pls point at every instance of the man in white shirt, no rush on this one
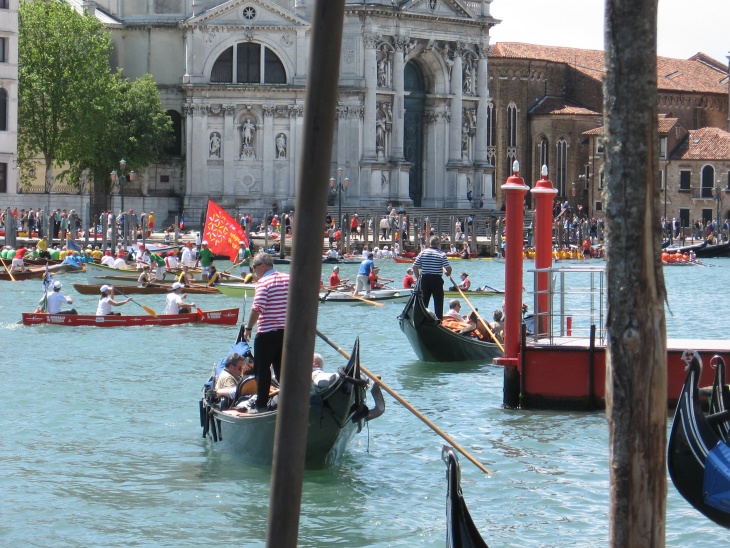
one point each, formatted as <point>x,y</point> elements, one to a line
<point>55,301</point>
<point>108,259</point>
<point>119,262</point>
<point>174,302</point>
<point>188,257</point>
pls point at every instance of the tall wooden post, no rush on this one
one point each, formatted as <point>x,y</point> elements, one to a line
<point>636,357</point>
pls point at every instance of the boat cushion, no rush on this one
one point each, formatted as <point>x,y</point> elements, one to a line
<point>717,477</point>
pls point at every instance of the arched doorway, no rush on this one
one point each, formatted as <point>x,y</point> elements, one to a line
<point>413,139</point>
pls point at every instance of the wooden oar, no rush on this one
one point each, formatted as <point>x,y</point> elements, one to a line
<point>479,318</point>
<point>356,297</point>
<point>407,405</point>
<point>7,270</point>
<point>145,308</point>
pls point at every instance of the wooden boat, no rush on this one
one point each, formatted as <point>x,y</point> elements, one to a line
<point>237,290</point>
<point>98,274</point>
<point>32,273</point>
<point>403,260</point>
<point>336,413</point>
<point>227,316</point>
<point>698,460</point>
<point>713,251</point>
<point>433,343</point>
<point>460,529</point>
<point>490,292</point>
<point>394,295</point>
<point>94,289</point>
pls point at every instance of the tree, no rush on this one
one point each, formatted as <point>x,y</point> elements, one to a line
<point>63,85</point>
<point>72,109</point>
<point>636,383</point>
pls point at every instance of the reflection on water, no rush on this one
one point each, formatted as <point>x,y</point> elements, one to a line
<point>102,444</point>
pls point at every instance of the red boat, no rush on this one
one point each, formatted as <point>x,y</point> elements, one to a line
<point>228,316</point>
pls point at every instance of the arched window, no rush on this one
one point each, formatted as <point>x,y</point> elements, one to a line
<point>248,63</point>
<point>512,125</point>
<point>3,110</point>
<point>708,181</point>
<point>542,150</point>
<point>562,163</point>
<point>176,146</point>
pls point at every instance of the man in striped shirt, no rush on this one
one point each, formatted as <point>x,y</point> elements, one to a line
<point>269,314</point>
<point>430,264</point>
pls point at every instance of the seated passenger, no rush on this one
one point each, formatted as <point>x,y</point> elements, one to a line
<point>464,285</point>
<point>106,301</point>
<point>320,379</point>
<point>174,301</point>
<point>145,279</point>
<point>55,301</point>
<point>215,277</point>
<point>237,367</point>
<point>497,326</point>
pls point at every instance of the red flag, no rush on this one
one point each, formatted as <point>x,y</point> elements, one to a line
<point>222,232</point>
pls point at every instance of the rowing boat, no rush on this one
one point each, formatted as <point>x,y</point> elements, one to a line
<point>227,316</point>
<point>460,529</point>
<point>237,290</point>
<point>98,274</point>
<point>697,458</point>
<point>32,273</point>
<point>393,295</point>
<point>95,289</point>
<point>489,292</point>
<point>433,343</point>
<point>337,412</point>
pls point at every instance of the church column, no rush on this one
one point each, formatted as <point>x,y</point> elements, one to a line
<point>457,81</point>
<point>200,150</point>
<point>229,149</point>
<point>267,152</point>
<point>371,84</point>
<point>480,145</point>
<point>396,145</point>
<point>188,112</point>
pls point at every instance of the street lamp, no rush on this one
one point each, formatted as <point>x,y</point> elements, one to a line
<point>717,194</point>
<point>120,177</point>
<point>339,187</point>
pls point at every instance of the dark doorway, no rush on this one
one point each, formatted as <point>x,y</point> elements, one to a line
<point>413,122</point>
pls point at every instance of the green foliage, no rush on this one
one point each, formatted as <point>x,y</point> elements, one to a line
<point>72,110</point>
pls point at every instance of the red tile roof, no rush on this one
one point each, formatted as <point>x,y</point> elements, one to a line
<point>698,74</point>
<point>665,125</point>
<point>561,106</point>
<point>708,143</point>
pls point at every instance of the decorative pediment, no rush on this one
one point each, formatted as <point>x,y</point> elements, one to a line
<point>455,9</point>
<point>247,13</point>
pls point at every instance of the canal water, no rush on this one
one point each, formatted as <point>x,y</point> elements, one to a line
<point>101,443</point>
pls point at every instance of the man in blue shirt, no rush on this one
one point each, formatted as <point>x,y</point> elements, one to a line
<point>363,275</point>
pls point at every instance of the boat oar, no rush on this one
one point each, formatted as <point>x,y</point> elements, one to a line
<point>357,298</point>
<point>7,270</point>
<point>145,308</point>
<point>407,405</point>
<point>479,318</point>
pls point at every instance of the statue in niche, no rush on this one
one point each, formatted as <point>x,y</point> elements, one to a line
<point>214,148</point>
<point>469,77</point>
<point>382,73</point>
<point>380,128</point>
<point>465,141</point>
<point>248,130</point>
<point>281,146</point>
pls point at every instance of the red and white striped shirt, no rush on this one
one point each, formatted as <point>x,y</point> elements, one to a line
<point>270,301</point>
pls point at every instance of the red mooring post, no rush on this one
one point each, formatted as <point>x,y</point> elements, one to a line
<point>544,193</point>
<point>514,190</point>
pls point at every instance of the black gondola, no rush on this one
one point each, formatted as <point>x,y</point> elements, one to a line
<point>713,251</point>
<point>337,412</point>
<point>698,460</point>
<point>460,529</point>
<point>433,343</point>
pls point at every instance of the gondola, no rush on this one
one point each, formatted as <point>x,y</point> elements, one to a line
<point>698,460</point>
<point>336,413</point>
<point>94,289</point>
<point>217,317</point>
<point>434,343</point>
<point>712,251</point>
<point>460,529</point>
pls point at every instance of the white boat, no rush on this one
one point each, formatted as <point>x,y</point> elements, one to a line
<point>394,295</point>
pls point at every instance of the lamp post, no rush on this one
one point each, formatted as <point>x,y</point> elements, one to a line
<point>121,178</point>
<point>339,187</point>
<point>717,194</point>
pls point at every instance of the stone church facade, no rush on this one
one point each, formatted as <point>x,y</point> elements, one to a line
<point>411,117</point>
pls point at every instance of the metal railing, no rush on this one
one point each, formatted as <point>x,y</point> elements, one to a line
<point>576,301</point>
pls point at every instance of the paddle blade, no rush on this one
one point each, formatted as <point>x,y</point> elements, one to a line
<point>148,310</point>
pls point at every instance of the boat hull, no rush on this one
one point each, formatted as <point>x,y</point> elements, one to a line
<point>237,290</point>
<point>86,289</point>
<point>460,529</point>
<point>392,295</point>
<point>32,273</point>
<point>433,343</point>
<point>216,317</point>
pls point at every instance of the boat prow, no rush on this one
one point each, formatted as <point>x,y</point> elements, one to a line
<point>460,529</point>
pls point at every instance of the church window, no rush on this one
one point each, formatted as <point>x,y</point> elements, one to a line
<point>3,178</point>
<point>249,13</point>
<point>3,110</point>
<point>562,162</point>
<point>175,149</point>
<point>512,125</point>
<point>491,125</point>
<point>4,4</point>
<point>543,154</point>
<point>3,50</point>
<point>248,63</point>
